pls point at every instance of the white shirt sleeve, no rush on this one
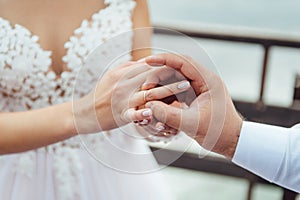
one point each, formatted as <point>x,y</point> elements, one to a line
<point>271,152</point>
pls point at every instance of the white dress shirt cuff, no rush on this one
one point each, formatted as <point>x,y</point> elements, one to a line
<point>261,149</point>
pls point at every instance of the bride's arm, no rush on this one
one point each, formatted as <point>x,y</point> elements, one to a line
<point>21,131</point>
<point>106,106</point>
<point>142,30</point>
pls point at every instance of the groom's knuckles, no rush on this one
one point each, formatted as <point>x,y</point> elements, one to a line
<point>183,63</point>
<point>177,61</point>
<point>170,60</point>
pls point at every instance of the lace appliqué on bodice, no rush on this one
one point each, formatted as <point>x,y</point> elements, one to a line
<point>27,83</point>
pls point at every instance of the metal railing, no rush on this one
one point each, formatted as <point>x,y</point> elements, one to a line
<point>258,111</point>
<point>244,35</point>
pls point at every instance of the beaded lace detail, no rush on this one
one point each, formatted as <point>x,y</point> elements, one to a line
<point>27,83</point>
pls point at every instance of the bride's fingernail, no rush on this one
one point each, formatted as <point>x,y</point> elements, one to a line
<point>160,128</point>
<point>144,122</point>
<point>147,113</point>
<point>184,85</point>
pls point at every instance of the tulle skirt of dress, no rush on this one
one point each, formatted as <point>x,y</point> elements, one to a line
<point>83,178</point>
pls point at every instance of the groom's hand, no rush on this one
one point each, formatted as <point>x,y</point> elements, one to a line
<point>210,117</point>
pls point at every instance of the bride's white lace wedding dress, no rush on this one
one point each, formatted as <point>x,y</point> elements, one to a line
<point>65,170</point>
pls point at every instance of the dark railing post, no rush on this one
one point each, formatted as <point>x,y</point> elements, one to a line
<point>264,74</point>
<point>289,195</point>
<point>297,88</point>
<point>250,190</point>
<point>296,97</point>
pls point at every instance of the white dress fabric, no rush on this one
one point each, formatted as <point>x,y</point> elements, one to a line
<point>65,170</point>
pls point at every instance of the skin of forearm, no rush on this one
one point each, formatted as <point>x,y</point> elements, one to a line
<point>23,131</point>
<point>228,141</point>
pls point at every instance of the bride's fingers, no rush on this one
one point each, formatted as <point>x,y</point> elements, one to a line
<point>135,70</point>
<point>164,130</point>
<point>153,133</point>
<point>126,64</point>
<point>164,74</point>
<point>160,126</point>
<point>142,97</point>
<point>142,116</point>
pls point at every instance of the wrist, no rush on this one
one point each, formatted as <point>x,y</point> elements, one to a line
<point>231,131</point>
<point>68,121</point>
<point>228,141</point>
<point>234,136</point>
<point>91,117</point>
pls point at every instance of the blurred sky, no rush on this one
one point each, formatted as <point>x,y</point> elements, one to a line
<point>281,15</point>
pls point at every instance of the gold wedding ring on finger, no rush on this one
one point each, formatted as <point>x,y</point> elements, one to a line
<point>145,96</point>
<point>162,134</point>
<point>166,134</point>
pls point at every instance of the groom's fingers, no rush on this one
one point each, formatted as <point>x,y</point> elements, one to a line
<point>200,76</point>
<point>184,64</point>
<point>167,114</point>
<point>181,63</point>
<point>187,120</point>
<point>158,75</point>
<point>142,97</point>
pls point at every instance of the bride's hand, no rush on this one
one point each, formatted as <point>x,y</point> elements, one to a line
<point>154,130</point>
<point>116,96</point>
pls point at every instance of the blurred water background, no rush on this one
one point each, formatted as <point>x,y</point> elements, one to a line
<point>239,64</point>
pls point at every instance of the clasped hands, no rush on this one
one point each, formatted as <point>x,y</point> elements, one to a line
<point>166,92</point>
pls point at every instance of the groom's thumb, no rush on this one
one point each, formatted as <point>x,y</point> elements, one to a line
<point>167,114</point>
